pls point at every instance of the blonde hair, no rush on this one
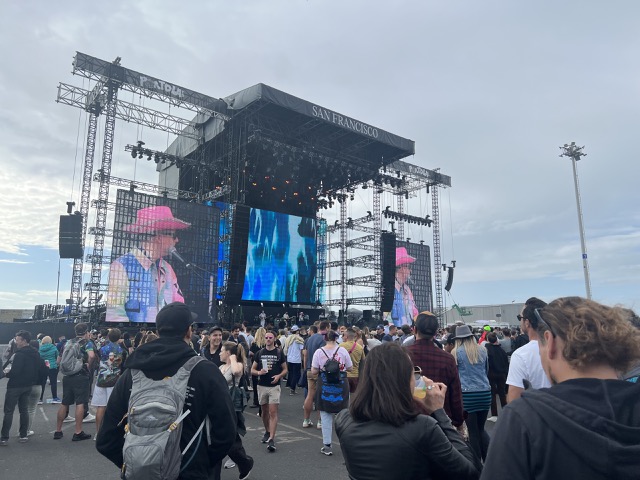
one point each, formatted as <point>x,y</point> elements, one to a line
<point>471,348</point>
<point>46,340</point>
<point>259,337</point>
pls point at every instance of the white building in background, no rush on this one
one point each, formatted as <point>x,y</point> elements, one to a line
<point>480,315</point>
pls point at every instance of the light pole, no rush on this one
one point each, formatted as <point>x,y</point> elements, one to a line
<point>575,153</point>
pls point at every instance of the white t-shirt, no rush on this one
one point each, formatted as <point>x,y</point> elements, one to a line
<point>526,364</point>
<point>293,352</point>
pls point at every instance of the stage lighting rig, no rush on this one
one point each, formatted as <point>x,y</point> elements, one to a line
<point>403,217</point>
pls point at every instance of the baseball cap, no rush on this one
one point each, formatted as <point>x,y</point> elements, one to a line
<point>380,327</point>
<point>215,328</point>
<point>174,320</point>
<point>295,328</point>
<point>427,323</point>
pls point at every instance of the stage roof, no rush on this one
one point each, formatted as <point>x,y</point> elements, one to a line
<point>302,122</point>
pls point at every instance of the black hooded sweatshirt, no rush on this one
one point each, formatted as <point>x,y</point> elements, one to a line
<point>26,368</point>
<point>583,428</point>
<point>207,394</point>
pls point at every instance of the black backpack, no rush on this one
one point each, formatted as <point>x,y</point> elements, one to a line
<point>332,368</point>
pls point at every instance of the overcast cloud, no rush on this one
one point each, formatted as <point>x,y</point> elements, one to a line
<point>487,90</point>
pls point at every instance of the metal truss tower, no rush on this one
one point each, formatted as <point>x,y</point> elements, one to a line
<point>377,253</point>
<point>76,276</point>
<point>400,223</point>
<point>103,192</point>
<point>437,257</point>
<point>343,257</point>
<point>322,257</point>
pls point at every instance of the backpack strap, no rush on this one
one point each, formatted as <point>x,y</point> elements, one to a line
<point>353,347</point>
<point>325,353</point>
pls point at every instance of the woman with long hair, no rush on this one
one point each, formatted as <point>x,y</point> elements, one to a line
<point>473,369</point>
<point>233,358</point>
<point>49,352</point>
<point>258,344</point>
<point>388,433</point>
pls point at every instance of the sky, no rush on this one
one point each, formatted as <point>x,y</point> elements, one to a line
<point>487,90</point>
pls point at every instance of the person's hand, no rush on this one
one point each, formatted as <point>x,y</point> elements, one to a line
<point>434,399</point>
<point>276,380</point>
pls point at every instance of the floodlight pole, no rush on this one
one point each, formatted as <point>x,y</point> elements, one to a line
<point>575,153</point>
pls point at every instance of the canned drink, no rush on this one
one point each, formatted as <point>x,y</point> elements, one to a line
<point>47,363</point>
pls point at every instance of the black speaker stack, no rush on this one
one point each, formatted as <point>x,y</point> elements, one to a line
<point>70,238</point>
<point>388,261</point>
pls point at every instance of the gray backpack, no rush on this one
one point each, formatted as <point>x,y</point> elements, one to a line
<point>154,425</point>
<point>72,359</point>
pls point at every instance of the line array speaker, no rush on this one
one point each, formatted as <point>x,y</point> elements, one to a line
<point>447,287</point>
<point>70,236</point>
<point>238,254</point>
<point>388,261</point>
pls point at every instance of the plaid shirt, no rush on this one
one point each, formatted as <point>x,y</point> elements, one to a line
<point>440,366</point>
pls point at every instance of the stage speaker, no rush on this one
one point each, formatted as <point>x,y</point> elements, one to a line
<point>70,238</point>
<point>238,254</point>
<point>388,264</point>
<point>447,287</point>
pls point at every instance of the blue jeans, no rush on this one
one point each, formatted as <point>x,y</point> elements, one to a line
<point>16,396</point>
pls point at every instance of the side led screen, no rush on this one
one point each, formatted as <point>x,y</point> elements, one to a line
<point>413,291</point>
<point>163,251</point>
<point>281,258</point>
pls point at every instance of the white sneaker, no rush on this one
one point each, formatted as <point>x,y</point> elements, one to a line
<point>89,419</point>
<point>319,425</point>
<point>492,419</point>
<point>29,433</point>
<point>306,423</point>
<point>69,419</point>
<point>229,463</point>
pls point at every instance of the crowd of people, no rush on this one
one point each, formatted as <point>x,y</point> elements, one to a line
<point>409,402</point>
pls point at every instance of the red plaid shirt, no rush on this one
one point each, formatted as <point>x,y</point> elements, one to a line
<point>440,366</point>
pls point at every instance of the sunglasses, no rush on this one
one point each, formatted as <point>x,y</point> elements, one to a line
<point>269,338</point>
<point>519,317</point>
<point>538,312</point>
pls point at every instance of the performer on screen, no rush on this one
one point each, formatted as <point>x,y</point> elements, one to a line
<point>141,282</point>
<point>404,307</point>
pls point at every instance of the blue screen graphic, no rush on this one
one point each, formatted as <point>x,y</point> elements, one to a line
<point>281,258</point>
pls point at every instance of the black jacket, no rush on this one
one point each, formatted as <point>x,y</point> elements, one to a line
<point>427,447</point>
<point>498,359</point>
<point>26,369</point>
<point>207,394</point>
<point>583,428</point>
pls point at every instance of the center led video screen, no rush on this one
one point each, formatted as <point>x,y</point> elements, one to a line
<point>281,258</point>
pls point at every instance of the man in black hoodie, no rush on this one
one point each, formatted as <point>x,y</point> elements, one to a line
<point>207,395</point>
<point>587,425</point>
<point>23,373</point>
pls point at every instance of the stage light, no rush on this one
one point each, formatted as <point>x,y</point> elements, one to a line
<point>134,152</point>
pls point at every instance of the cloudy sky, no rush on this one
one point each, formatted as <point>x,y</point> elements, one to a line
<point>487,90</point>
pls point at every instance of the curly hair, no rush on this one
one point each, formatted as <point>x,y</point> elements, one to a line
<point>593,333</point>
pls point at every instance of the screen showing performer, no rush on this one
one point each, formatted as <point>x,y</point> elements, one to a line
<point>413,290</point>
<point>147,272</point>
<point>281,258</point>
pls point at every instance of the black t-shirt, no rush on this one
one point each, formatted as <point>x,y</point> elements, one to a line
<point>275,358</point>
<point>213,357</point>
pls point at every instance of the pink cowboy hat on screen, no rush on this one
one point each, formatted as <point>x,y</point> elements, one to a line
<point>402,257</point>
<point>153,219</point>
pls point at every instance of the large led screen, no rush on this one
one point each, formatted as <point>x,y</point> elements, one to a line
<point>281,258</point>
<point>413,291</point>
<point>163,251</point>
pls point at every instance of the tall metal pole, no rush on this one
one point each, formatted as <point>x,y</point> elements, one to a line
<point>575,153</point>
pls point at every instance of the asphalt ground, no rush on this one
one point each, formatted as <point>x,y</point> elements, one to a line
<point>298,449</point>
<point>297,456</point>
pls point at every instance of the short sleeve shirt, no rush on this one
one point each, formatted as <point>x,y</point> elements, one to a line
<point>526,364</point>
<point>274,358</point>
<point>323,354</point>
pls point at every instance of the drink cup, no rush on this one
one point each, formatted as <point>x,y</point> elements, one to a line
<point>46,362</point>
<point>421,389</point>
<point>265,364</point>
